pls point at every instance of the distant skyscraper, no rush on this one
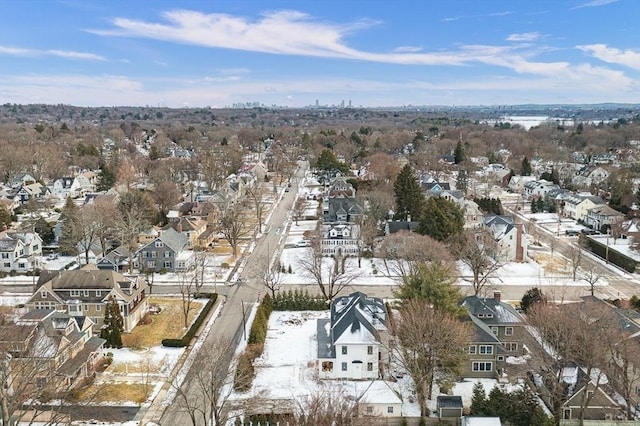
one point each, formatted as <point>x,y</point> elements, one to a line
<point>317,103</point>
<point>349,103</point>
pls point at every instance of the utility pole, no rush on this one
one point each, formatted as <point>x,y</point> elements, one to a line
<point>244,322</point>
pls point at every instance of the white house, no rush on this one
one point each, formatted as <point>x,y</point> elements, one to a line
<point>538,188</point>
<point>516,183</point>
<point>602,215</point>
<point>576,206</point>
<point>339,238</point>
<point>512,243</point>
<point>351,342</point>
<point>378,399</point>
<point>20,251</point>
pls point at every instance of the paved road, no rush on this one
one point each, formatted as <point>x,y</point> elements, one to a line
<point>229,323</point>
<point>621,284</point>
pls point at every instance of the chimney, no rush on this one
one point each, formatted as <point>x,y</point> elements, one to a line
<point>624,303</point>
<point>496,296</point>
<point>519,245</point>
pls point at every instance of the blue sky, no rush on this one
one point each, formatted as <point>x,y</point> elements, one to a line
<point>292,53</point>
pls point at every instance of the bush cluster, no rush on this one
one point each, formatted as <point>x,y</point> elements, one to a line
<point>245,371</point>
<point>195,326</point>
<point>298,300</point>
<point>617,258</point>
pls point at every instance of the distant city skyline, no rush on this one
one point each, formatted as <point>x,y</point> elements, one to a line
<point>303,53</point>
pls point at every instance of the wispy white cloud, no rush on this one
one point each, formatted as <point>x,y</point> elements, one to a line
<point>409,49</point>
<point>520,37</point>
<point>68,54</point>
<point>594,3</point>
<point>484,15</point>
<point>628,58</point>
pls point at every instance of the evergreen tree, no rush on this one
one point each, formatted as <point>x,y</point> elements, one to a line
<point>531,297</point>
<point>409,196</point>
<point>441,219</point>
<point>458,154</point>
<point>462,181</point>
<point>68,238</point>
<point>434,283</point>
<point>327,162</point>
<point>45,231</point>
<point>113,324</point>
<point>107,178</point>
<point>526,167</point>
<point>478,401</point>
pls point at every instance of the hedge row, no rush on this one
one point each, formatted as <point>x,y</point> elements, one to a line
<point>186,339</point>
<point>255,345</point>
<point>615,257</point>
<point>298,300</point>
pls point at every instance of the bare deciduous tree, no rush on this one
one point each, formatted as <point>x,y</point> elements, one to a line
<point>430,343</point>
<point>575,335</point>
<point>403,251</point>
<point>270,275</point>
<point>591,275</point>
<point>205,393</point>
<point>233,227</point>
<point>200,264</point>
<point>331,274</point>
<point>186,282</point>
<point>479,252</point>
<point>329,406</point>
<point>257,194</point>
<point>575,257</point>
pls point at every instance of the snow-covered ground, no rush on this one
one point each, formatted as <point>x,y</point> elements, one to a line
<point>287,369</point>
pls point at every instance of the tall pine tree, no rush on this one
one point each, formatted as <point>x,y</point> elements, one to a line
<point>409,196</point>
<point>458,154</point>
<point>526,167</point>
<point>68,238</point>
<point>113,324</point>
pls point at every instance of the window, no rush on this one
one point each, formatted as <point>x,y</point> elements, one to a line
<point>7,265</point>
<point>511,346</point>
<point>389,410</point>
<point>85,293</point>
<point>154,254</point>
<point>98,307</point>
<point>5,255</point>
<point>472,349</point>
<point>167,264</point>
<point>481,366</point>
<point>494,330</point>
<point>369,366</point>
<point>167,254</point>
<point>98,293</point>
<point>369,409</point>
<point>508,331</point>
<point>75,293</point>
<point>485,350</point>
<point>369,350</point>
<point>159,244</point>
<point>344,366</point>
<point>43,294</point>
<point>500,357</point>
<point>73,308</point>
<point>344,350</point>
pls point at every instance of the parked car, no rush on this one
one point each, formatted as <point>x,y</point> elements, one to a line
<point>52,256</point>
<point>303,243</point>
<point>572,232</point>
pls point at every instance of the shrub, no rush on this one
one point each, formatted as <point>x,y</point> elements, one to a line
<point>224,265</point>
<point>184,341</point>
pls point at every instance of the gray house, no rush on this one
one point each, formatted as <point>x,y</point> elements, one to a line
<point>167,252</point>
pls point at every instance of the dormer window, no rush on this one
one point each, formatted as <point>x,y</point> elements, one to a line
<point>159,244</point>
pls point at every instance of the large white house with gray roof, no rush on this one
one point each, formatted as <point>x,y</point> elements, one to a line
<point>351,343</point>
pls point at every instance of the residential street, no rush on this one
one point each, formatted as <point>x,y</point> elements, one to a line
<point>229,323</point>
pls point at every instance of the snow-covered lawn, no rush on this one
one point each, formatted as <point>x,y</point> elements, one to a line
<point>287,369</point>
<point>370,271</point>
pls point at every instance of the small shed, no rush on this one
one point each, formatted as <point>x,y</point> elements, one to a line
<point>449,406</point>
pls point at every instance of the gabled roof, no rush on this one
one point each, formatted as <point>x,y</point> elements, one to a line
<point>357,319</point>
<point>400,225</point>
<point>491,311</point>
<point>449,401</point>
